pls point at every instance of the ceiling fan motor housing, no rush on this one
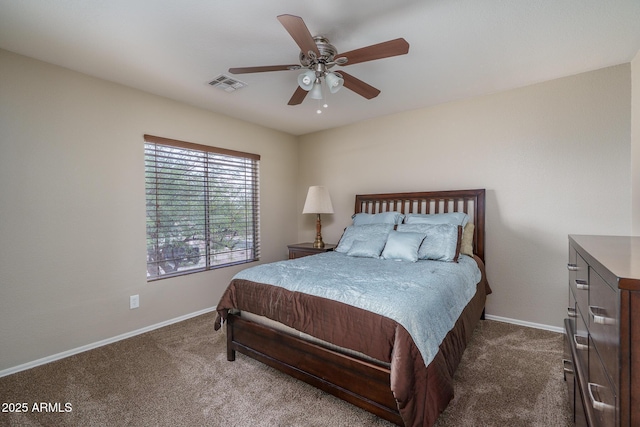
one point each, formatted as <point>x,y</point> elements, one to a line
<point>327,53</point>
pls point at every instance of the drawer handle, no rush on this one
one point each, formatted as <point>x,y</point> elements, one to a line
<point>567,367</point>
<point>598,318</point>
<point>580,346</point>
<point>598,405</point>
<point>582,284</point>
<point>572,267</point>
<point>572,312</point>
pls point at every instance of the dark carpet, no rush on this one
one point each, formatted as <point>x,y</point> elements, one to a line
<point>179,376</point>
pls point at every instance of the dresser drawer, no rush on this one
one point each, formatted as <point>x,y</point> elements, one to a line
<point>600,394</point>
<point>579,414</point>
<point>581,340</point>
<point>603,323</point>
<point>569,368</point>
<point>572,309</point>
<point>579,281</point>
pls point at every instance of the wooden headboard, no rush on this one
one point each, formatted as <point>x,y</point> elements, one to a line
<point>470,202</point>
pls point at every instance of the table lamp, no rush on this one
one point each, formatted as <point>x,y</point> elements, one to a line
<point>318,202</point>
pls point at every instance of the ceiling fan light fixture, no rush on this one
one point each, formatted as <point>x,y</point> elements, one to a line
<point>316,91</point>
<point>334,82</point>
<point>307,79</point>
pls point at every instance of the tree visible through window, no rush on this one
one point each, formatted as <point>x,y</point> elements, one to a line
<point>202,207</point>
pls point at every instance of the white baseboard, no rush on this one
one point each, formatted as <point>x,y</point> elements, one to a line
<point>121,337</point>
<point>523,323</point>
<point>111,340</point>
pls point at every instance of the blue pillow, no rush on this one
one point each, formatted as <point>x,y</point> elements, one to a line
<point>442,241</point>
<point>367,248</point>
<point>402,246</point>
<point>379,218</point>
<point>455,218</point>
<point>364,233</point>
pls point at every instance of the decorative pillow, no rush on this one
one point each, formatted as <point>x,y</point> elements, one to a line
<point>403,246</point>
<point>466,247</point>
<point>368,248</point>
<point>442,241</point>
<point>362,232</point>
<point>379,218</point>
<point>455,218</point>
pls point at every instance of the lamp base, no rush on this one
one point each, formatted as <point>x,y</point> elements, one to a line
<point>318,243</point>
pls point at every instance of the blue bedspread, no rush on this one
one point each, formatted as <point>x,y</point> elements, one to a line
<point>425,297</point>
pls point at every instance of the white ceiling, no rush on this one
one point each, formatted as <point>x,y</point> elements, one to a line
<point>458,48</point>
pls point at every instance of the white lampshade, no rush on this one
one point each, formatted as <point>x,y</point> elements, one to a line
<point>318,201</point>
<point>306,79</point>
<point>334,82</point>
<point>316,91</point>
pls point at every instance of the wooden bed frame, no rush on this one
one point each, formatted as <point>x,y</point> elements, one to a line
<point>360,382</point>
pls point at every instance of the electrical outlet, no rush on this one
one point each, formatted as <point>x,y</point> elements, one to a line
<point>134,301</point>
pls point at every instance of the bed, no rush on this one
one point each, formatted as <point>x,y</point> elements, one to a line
<point>358,353</point>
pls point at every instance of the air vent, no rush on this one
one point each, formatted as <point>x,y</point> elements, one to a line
<point>227,83</point>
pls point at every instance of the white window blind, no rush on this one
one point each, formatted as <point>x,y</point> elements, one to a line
<point>202,207</point>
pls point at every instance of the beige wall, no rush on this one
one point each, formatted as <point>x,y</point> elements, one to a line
<point>72,207</point>
<point>635,144</point>
<point>553,157</point>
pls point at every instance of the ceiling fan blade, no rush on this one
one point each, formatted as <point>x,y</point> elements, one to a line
<point>299,32</point>
<point>377,51</point>
<point>358,86</point>
<point>298,96</point>
<point>246,70</point>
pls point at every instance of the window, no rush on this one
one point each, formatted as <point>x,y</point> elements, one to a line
<point>202,207</point>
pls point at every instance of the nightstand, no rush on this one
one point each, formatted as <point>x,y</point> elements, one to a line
<point>300,250</point>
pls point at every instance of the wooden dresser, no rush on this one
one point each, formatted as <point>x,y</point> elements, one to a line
<point>602,345</point>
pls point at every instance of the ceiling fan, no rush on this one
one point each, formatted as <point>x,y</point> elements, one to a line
<point>318,56</point>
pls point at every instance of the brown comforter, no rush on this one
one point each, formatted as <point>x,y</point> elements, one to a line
<point>421,392</point>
